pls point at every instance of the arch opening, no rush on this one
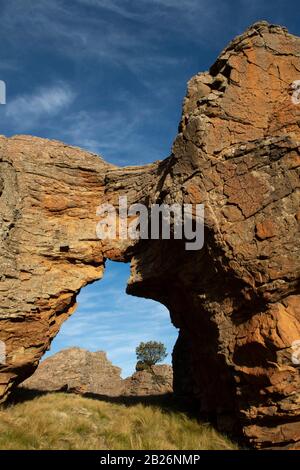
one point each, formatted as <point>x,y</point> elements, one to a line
<point>110,320</point>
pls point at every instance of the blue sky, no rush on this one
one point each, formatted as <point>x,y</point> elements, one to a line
<point>108,319</point>
<point>110,76</point>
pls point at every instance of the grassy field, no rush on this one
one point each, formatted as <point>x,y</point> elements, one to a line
<point>68,421</point>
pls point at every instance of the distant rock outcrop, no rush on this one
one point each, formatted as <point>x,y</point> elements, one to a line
<point>155,381</point>
<point>81,371</point>
<point>77,370</point>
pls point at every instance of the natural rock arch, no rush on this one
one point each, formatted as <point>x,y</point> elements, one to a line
<point>236,301</point>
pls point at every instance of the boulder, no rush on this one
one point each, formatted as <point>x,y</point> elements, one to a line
<point>157,380</point>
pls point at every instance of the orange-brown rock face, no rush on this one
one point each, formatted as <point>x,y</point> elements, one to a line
<point>236,301</point>
<point>49,249</point>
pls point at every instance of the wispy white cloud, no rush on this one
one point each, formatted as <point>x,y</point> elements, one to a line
<point>116,133</point>
<point>181,14</point>
<point>112,5</point>
<point>94,36</point>
<point>129,40</point>
<point>198,21</point>
<point>9,64</point>
<point>42,103</point>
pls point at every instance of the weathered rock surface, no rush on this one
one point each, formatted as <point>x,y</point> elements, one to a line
<point>157,381</point>
<point>48,243</point>
<point>236,301</point>
<point>77,370</point>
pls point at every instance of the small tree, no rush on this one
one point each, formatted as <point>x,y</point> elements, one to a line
<point>150,353</point>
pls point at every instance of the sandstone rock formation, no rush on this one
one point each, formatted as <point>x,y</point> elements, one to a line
<point>77,370</point>
<point>236,301</point>
<point>157,381</point>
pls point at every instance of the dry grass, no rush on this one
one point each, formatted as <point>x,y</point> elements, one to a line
<point>66,421</point>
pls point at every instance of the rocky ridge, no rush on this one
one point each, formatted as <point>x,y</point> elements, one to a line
<point>80,371</point>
